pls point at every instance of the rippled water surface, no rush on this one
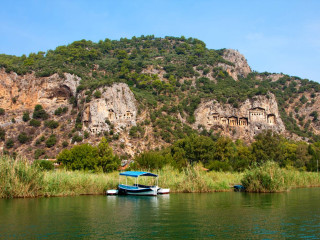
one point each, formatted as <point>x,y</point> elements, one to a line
<point>295,214</point>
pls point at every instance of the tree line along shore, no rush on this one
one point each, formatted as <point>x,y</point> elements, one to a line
<point>193,164</point>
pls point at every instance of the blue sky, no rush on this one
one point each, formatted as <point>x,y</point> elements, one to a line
<point>275,36</point>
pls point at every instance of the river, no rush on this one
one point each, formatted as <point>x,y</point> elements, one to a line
<point>226,215</point>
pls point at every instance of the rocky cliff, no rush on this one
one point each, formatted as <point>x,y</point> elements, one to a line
<point>22,93</point>
<point>240,65</point>
<point>116,107</point>
<point>250,118</point>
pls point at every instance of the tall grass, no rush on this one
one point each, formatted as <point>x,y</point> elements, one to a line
<point>271,178</point>
<point>19,179</point>
<point>67,183</point>
<point>195,179</point>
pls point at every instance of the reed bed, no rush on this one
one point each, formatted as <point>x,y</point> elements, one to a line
<point>67,183</point>
<point>195,179</point>
<point>271,178</point>
<point>18,178</point>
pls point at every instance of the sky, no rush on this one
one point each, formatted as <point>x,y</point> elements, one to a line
<point>274,36</point>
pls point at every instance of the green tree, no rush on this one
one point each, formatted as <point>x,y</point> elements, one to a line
<point>267,147</point>
<point>81,157</point>
<point>87,157</point>
<point>106,159</point>
<point>153,160</point>
<point>194,149</point>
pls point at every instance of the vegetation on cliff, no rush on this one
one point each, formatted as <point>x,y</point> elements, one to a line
<point>169,76</point>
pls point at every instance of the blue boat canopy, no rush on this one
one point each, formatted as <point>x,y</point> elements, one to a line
<point>137,174</point>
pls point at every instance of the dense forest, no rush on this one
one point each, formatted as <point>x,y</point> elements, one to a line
<point>171,76</point>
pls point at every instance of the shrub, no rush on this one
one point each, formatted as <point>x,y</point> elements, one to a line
<point>59,111</point>
<point>219,166</point>
<point>35,123</point>
<point>267,178</point>
<point>10,143</point>
<point>86,134</point>
<point>44,164</point>
<point>51,124</point>
<point>115,136</point>
<point>2,111</point>
<point>76,138</point>
<point>97,94</point>
<point>133,132</point>
<point>51,141</point>
<point>23,138</point>
<point>314,114</point>
<point>65,144</point>
<point>303,99</point>
<point>2,134</point>
<point>26,117</point>
<point>39,113</point>
<point>38,153</point>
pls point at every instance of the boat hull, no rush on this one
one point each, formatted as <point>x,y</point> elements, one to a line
<point>112,192</point>
<point>163,191</point>
<point>134,190</point>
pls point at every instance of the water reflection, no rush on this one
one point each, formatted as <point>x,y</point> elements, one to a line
<point>295,214</point>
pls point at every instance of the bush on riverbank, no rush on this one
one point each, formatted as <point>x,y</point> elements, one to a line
<point>269,177</point>
<point>266,178</point>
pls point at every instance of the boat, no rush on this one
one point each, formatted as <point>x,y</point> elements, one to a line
<point>112,192</point>
<point>163,190</point>
<point>136,188</point>
<point>239,188</point>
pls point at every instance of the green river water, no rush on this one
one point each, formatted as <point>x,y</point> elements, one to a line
<point>228,215</point>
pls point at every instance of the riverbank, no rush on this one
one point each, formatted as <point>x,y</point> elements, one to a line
<point>18,178</point>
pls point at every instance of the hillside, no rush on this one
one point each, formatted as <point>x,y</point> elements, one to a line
<point>144,93</point>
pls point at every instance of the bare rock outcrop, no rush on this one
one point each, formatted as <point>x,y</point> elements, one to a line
<point>116,106</point>
<point>21,93</point>
<point>240,65</point>
<point>254,115</point>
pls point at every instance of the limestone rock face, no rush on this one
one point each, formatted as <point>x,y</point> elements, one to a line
<point>252,116</point>
<point>240,67</point>
<point>21,93</point>
<point>116,106</point>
